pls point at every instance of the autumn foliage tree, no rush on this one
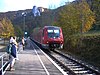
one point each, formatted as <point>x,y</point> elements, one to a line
<point>75,18</point>
<point>8,28</point>
<point>1,27</point>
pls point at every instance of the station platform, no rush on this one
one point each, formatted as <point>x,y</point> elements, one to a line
<point>29,64</point>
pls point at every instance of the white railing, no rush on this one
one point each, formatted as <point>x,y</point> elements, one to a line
<point>3,64</point>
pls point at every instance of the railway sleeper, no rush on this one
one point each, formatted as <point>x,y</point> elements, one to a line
<point>81,72</point>
<point>75,69</point>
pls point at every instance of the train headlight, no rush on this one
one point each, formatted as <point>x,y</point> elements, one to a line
<point>47,42</point>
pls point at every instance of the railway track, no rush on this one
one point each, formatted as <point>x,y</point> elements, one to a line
<point>50,67</point>
<point>72,66</point>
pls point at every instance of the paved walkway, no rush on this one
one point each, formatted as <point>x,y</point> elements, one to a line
<point>28,64</point>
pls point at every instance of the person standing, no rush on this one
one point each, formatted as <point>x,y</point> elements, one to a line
<point>13,52</point>
<point>23,42</point>
<point>16,47</point>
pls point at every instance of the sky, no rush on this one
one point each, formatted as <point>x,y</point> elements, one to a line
<point>14,5</point>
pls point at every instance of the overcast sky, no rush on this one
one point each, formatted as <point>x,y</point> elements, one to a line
<point>13,5</point>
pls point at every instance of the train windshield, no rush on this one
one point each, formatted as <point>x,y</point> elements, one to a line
<point>53,33</point>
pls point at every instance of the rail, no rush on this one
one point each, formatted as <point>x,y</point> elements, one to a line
<point>3,64</point>
<point>72,63</point>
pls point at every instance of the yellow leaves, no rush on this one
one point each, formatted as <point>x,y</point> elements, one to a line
<point>1,28</point>
<point>75,18</point>
<point>89,19</point>
<point>8,28</point>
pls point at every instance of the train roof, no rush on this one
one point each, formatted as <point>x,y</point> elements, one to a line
<point>51,27</point>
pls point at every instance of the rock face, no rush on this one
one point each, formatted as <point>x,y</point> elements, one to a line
<point>36,11</point>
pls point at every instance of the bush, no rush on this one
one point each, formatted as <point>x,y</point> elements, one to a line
<point>86,47</point>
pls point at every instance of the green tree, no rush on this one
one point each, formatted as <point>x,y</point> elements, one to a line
<point>18,31</point>
<point>95,6</point>
<point>8,28</point>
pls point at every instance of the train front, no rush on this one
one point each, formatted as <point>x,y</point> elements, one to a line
<point>53,37</point>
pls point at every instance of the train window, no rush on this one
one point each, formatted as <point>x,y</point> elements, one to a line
<point>50,31</point>
<point>54,33</point>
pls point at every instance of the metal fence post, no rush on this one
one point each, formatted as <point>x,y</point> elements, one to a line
<point>2,65</point>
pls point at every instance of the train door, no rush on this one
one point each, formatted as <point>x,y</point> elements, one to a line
<point>42,39</point>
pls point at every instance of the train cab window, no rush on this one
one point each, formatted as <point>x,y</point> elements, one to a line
<point>50,31</point>
<point>54,33</point>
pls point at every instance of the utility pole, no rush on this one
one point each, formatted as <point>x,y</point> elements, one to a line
<point>24,26</point>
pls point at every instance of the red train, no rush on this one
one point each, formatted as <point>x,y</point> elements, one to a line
<point>50,37</point>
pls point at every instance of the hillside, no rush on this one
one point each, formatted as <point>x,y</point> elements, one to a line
<point>83,45</point>
<point>48,17</point>
<point>29,22</point>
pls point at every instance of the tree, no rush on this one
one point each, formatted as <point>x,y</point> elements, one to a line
<point>87,16</point>
<point>18,31</point>
<point>8,28</point>
<point>1,28</point>
<point>75,18</point>
<point>95,6</point>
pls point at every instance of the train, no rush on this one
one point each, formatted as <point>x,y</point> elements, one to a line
<point>50,37</point>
